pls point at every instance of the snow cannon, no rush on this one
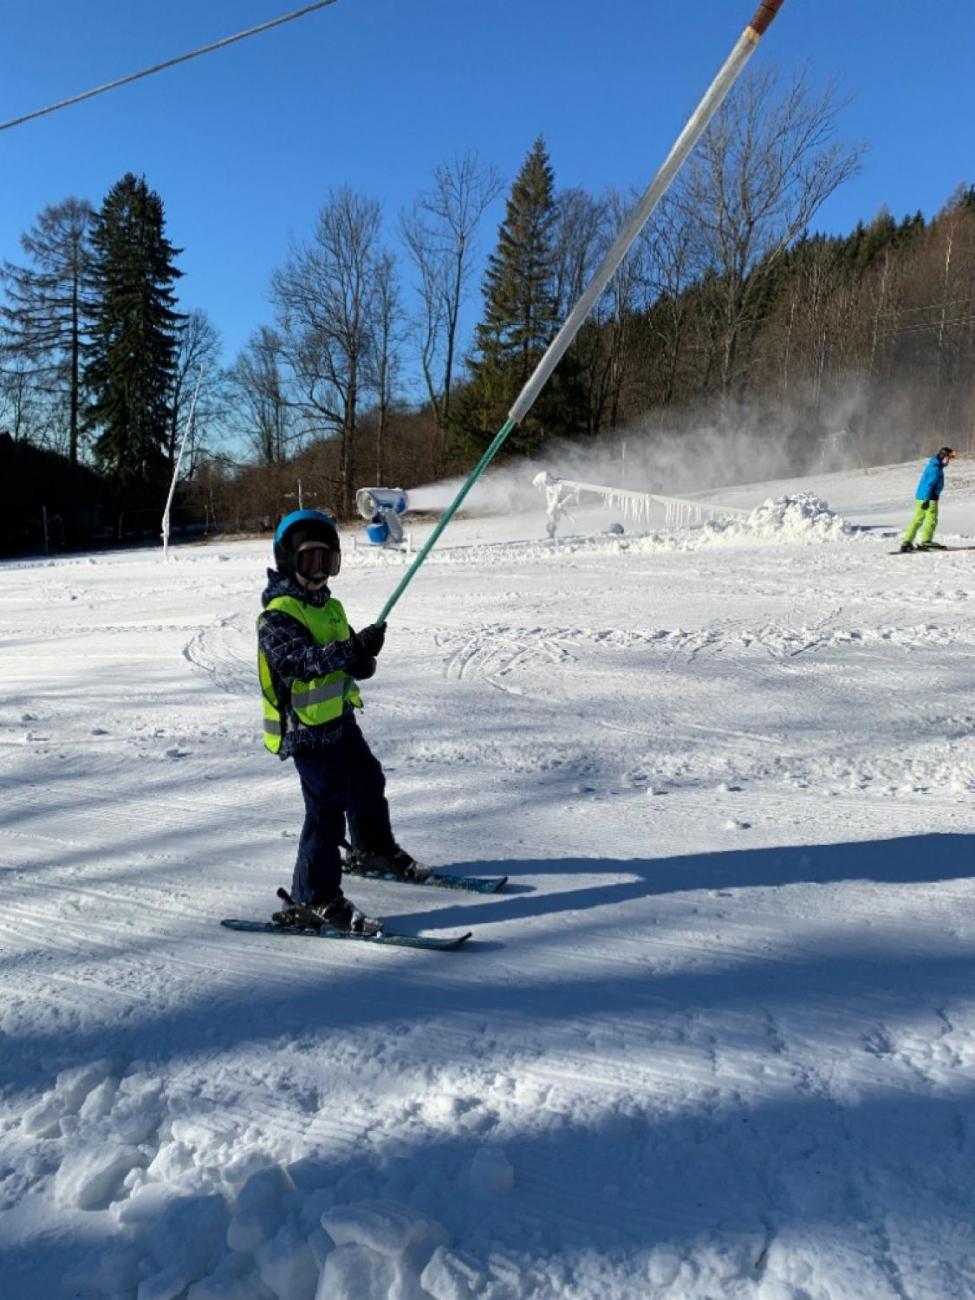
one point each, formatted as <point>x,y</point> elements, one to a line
<point>381,507</point>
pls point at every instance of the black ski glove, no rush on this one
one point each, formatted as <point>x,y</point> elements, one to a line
<point>363,667</point>
<point>925,504</point>
<point>370,640</point>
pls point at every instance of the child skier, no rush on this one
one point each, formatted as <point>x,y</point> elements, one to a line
<point>309,662</point>
<point>928,492</point>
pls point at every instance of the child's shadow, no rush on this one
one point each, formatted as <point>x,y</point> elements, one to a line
<point>911,859</point>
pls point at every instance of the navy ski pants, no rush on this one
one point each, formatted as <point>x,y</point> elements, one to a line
<point>340,781</point>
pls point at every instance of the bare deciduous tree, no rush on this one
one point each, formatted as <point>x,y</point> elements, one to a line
<point>386,323</point>
<point>439,232</point>
<point>580,240</point>
<point>43,321</point>
<point>672,263</point>
<point>584,230</point>
<point>23,415</point>
<point>622,291</point>
<point>326,302</point>
<point>939,319</point>
<point>260,407</point>
<point>763,168</point>
<point>197,361</point>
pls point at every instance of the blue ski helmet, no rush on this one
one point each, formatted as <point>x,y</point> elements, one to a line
<point>297,528</point>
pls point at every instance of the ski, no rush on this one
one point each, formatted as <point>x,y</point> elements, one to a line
<point>436,878</point>
<point>929,550</point>
<point>316,931</point>
<point>385,939</point>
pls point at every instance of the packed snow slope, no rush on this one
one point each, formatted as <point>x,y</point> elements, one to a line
<point>715,1040</point>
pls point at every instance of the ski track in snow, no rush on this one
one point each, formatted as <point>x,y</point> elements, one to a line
<point>715,1041</point>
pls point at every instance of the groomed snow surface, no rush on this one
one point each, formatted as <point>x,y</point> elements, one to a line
<point>717,1037</point>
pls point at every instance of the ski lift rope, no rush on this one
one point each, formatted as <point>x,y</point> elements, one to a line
<point>169,63</point>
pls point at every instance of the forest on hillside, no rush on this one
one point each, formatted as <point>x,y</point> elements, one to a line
<point>730,314</point>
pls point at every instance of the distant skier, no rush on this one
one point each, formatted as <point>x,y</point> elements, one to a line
<point>309,663</point>
<point>928,494</point>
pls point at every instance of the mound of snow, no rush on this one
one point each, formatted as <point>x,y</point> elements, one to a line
<point>801,518</point>
<point>804,517</point>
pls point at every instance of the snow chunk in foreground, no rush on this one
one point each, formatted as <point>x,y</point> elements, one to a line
<point>381,1250</point>
<point>69,1096</point>
<point>382,1226</point>
<point>287,1266</point>
<point>449,1276</point>
<point>89,1178</point>
<point>355,1273</point>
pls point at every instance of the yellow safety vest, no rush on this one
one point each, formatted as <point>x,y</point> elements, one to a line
<point>317,701</point>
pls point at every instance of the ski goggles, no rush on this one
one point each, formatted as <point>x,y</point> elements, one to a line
<point>315,560</point>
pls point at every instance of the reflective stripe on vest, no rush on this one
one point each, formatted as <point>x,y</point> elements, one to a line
<point>322,699</point>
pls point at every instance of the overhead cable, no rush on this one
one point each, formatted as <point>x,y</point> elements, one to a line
<point>169,63</point>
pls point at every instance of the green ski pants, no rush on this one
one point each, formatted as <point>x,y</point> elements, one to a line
<point>925,518</point>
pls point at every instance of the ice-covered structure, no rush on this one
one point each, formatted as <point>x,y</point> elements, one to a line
<point>635,507</point>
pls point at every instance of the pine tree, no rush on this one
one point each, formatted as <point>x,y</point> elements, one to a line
<point>520,321</point>
<point>134,338</point>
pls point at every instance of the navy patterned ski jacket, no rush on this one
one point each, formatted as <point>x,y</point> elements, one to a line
<point>292,654</point>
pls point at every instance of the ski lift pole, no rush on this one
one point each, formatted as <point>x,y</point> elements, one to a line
<point>697,124</point>
<point>445,519</point>
<point>179,460</point>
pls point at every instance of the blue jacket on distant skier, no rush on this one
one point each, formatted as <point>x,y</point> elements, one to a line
<point>932,480</point>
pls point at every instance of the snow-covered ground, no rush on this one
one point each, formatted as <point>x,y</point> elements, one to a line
<point>715,1040</point>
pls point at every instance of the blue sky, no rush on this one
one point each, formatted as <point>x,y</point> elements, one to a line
<point>244,144</point>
